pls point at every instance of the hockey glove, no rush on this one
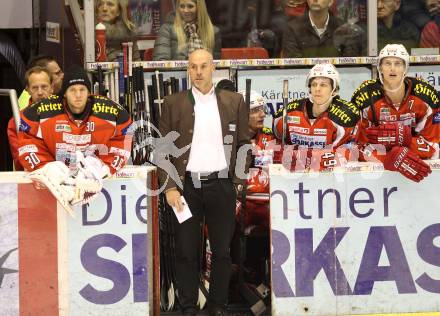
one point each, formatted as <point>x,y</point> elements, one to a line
<point>390,135</point>
<point>53,176</point>
<point>407,163</point>
<point>87,178</point>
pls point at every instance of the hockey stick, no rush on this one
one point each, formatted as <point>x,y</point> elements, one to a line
<point>285,101</point>
<point>125,69</point>
<point>100,81</point>
<point>120,79</point>
<point>158,84</point>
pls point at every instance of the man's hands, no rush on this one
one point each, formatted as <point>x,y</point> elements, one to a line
<point>390,135</point>
<point>407,163</point>
<point>173,199</point>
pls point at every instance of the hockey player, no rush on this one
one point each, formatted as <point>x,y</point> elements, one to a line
<point>73,140</point>
<point>315,126</point>
<point>400,116</point>
<point>263,145</point>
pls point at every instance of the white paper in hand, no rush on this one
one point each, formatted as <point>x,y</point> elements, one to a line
<point>185,213</point>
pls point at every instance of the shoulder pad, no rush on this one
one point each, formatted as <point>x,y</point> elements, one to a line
<point>46,108</point>
<point>266,131</point>
<point>426,92</point>
<point>343,112</point>
<point>292,106</point>
<point>108,110</point>
<point>367,94</point>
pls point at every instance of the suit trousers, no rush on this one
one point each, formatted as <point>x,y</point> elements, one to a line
<point>213,201</point>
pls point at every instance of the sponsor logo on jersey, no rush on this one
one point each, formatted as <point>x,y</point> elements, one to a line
<point>320,131</point>
<point>407,118</point>
<point>77,139</point>
<point>24,127</point>
<point>125,130</point>
<point>102,108</point>
<point>436,118</point>
<point>62,128</point>
<point>46,107</point>
<point>293,119</point>
<point>27,149</point>
<point>65,147</point>
<point>385,111</point>
<point>388,118</point>
<point>299,129</point>
<point>309,141</point>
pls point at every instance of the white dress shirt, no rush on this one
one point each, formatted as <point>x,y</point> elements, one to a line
<point>318,30</point>
<point>207,153</point>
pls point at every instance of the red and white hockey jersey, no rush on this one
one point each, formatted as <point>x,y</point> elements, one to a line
<point>49,132</point>
<point>419,110</point>
<point>331,129</point>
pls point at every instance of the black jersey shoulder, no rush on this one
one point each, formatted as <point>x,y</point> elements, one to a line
<point>44,109</point>
<point>367,93</point>
<point>425,92</point>
<point>294,105</point>
<point>108,110</point>
<point>343,112</point>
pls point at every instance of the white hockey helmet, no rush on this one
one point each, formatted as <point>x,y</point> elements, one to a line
<point>256,99</point>
<point>393,50</point>
<point>324,70</point>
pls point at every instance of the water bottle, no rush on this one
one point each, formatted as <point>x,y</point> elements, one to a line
<point>100,43</point>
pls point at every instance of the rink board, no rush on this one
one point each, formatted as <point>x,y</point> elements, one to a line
<point>353,242</point>
<point>98,263</point>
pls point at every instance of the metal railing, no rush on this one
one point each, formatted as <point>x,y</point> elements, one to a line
<point>14,104</point>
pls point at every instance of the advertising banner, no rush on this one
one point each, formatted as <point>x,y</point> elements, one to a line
<point>8,250</point>
<point>431,73</point>
<point>348,243</point>
<point>93,264</point>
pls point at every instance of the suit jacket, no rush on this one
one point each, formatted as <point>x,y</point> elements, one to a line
<point>178,115</point>
<point>301,40</point>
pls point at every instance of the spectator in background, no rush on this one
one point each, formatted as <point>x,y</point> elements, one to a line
<point>57,75</point>
<point>430,36</point>
<point>392,28</point>
<point>185,31</point>
<point>293,8</point>
<point>118,27</point>
<point>39,86</point>
<point>311,35</point>
<point>415,11</point>
<point>283,12</point>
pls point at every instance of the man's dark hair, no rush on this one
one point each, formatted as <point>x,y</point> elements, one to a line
<point>226,84</point>
<point>41,60</point>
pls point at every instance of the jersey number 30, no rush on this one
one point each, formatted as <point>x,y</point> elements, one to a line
<point>32,159</point>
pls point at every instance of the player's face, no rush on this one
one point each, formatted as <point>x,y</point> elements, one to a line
<point>256,118</point>
<point>57,75</point>
<point>200,69</point>
<point>39,86</point>
<point>108,10</point>
<point>393,70</point>
<point>319,5</point>
<point>76,96</point>
<point>188,10</point>
<point>387,7</point>
<point>321,89</point>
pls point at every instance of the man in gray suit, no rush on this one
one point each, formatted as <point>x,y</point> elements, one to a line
<point>214,123</point>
